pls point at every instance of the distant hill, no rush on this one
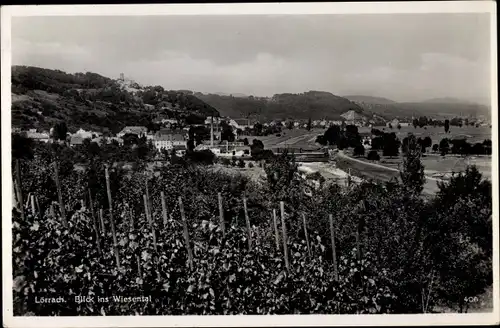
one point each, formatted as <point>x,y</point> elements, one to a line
<point>447,100</point>
<point>370,100</point>
<point>436,108</point>
<point>313,104</point>
<point>41,97</point>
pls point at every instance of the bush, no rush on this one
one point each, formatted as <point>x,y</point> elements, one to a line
<point>250,165</point>
<point>359,150</point>
<point>373,156</point>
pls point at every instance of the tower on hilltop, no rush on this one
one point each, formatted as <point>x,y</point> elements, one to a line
<point>122,77</point>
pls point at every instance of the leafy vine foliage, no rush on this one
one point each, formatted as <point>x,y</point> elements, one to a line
<point>392,247</point>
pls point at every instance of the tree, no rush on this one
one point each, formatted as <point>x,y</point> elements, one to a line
<point>359,150</point>
<point>201,157</point>
<point>391,145</point>
<point>435,148</point>
<point>399,126</point>
<point>373,156</point>
<point>245,141</point>
<point>241,163</point>
<point>422,121</point>
<point>342,143</point>
<point>321,140</point>
<point>289,125</point>
<point>427,142</point>
<point>446,126</point>
<point>199,133</point>
<point>309,124</point>
<point>22,147</point>
<point>227,132</point>
<point>390,126</point>
<point>352,135</point>
<point>462,255</point>
<point>332,134</point>
<point>444,146</point>
<point>412,173</point>
<point>60,131</point>
<point>130,139</point>
<point>415,123</point>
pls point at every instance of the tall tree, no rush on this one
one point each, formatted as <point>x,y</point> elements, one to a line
<point>60,131</point>
<point>446,126</point>
<point>412,173</point>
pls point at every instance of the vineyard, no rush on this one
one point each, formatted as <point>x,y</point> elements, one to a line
<point>194,241</point>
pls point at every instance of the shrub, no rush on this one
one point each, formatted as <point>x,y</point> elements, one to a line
<point>359,150</point>
<point>373,156</point>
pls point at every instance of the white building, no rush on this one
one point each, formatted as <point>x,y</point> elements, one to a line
<point>241,124</point>
<point>43,137</point>
<point>169,141</point>
<point>86,134</point>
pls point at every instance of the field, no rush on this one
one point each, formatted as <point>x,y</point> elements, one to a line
<point>472,134</point>
<point>296,138</point>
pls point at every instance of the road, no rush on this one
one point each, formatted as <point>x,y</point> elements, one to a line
<point>381,172</point>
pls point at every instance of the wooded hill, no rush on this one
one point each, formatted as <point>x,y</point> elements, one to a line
<point>311,104</point>
<point>42,97</point>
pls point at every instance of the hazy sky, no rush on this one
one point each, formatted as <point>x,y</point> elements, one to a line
<point>399,56</point>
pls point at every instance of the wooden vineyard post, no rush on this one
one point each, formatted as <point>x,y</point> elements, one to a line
<point>221,215</point>
<point>38,206</point>
<point>131,219</point>
<point>101,219</point>
<point>113,231</point>
<point>249,228</point>
<point>150,220</point>
<point>359,230</point>
<point>285,239</point>
<point>334,253</point>
<point>94,221</point>
<point>59,194</point>
<point>150,203</point>
<point>19,190</point>
<point>33,207</point>
<point>139,266</point>
<point>14,194</point>
<point>186,234</point>
<point>164,209</point>
<point>276,232</point>
<point>28,200</point>
<point>306,234</point>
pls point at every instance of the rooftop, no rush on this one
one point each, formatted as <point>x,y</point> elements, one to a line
<point>169,137</point>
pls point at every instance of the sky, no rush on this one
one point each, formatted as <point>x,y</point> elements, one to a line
<point>403,57</point>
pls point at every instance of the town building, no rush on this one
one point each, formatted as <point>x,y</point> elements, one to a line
<point>86,134</point>
<point>38,136</point>
<point>241,124</point>
<point>149,107</point>
<point>169,140</point>
<point>76,141</point>
<point>140,131</point>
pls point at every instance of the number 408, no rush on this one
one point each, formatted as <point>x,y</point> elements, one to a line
<point>471,299</point>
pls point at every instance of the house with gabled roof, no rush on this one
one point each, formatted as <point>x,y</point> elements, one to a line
<point>140,131</point>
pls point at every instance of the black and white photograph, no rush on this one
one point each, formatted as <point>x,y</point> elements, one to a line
<point>259,159</point>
